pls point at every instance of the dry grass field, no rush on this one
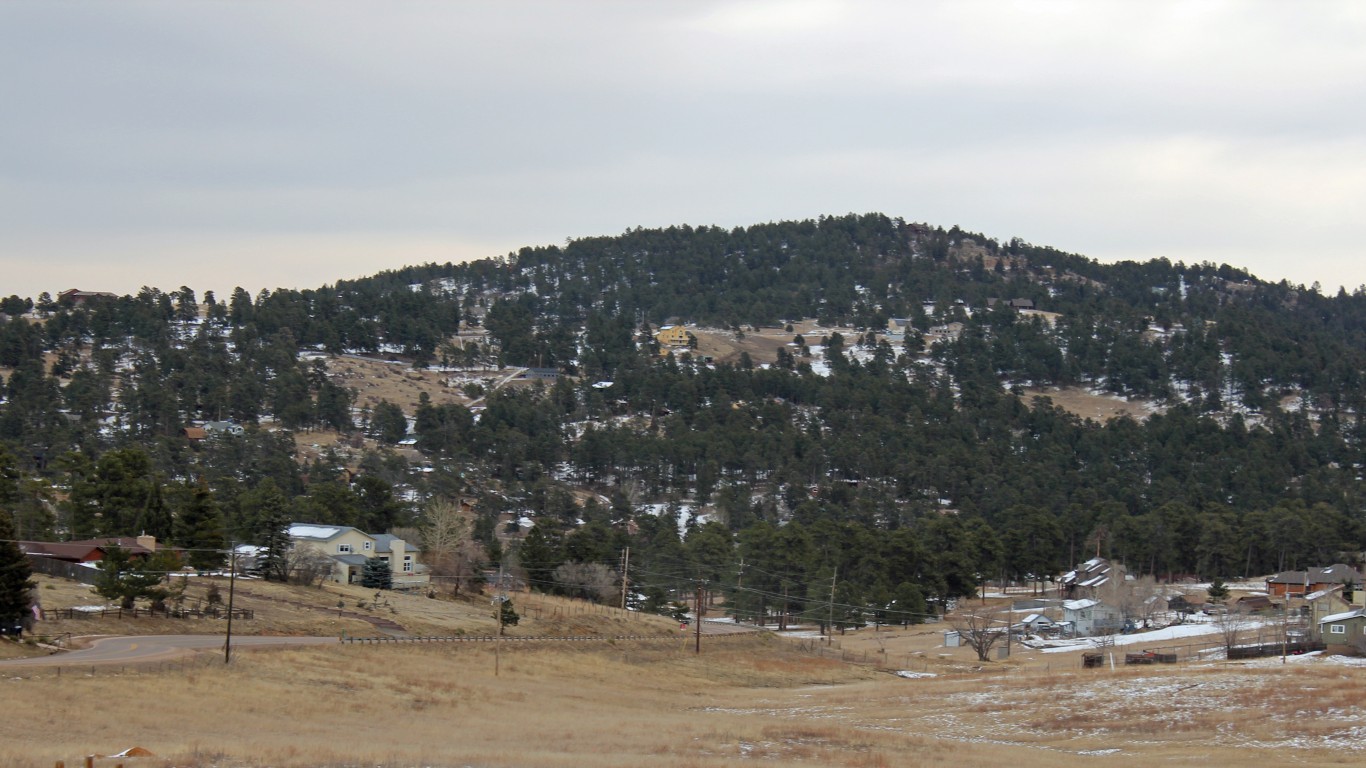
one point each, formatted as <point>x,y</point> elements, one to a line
<point>1081,403</point>
<point>292,610</point>
<point>746,700</point>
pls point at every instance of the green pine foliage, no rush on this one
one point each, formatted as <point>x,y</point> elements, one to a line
<point>910,472</point>
<point>127,579</point>
<point>199,529</point>
<point>508,616</point>
<point>269,509</point>
<point>376,574</point>
<point>15,584</point>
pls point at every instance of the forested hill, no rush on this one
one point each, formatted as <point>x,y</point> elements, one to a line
<point>890,433</point>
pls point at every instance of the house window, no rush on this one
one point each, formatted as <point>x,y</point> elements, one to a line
<point>367,545</point>
<point>407,563</point>
<point>344,549</point>
<point>1337,629</point>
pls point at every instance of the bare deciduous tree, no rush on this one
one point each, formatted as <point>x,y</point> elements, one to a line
<point>1138,599</point>
<point>308,565</point>
<point>593,581</point>
<point>982,630</point>
<point>1230,623</point>
<point>448,546</point>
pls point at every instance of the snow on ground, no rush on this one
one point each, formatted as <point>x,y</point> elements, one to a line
<point>1176,632</point>
<point>802,634</point>
<point>909,675</point>
<point>685,511</point>
<point>1313,658</point>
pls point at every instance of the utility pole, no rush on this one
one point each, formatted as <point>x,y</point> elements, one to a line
<point>697,616</point>
<point>830,621</point>
<point>500,600</point>
<point>782,615</point>
<point>232,583</point>
<point>739,584</point>
<point>625,575</point>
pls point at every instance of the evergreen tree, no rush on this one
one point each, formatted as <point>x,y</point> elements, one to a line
<point>387,422</point>
<point>14,578</point>
<point>199,529</point>
<point>270,510</point>
<point>508,616</point>
<point>1217,591</point>
<point>124,579</point>
<point>376,574</point>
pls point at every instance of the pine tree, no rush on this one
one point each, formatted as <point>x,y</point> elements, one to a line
<point>1217,591</point>
<point>376,574</point>
<point>388,423</point>
<point>199,529</point>
<point>271,513</point>
<point>14,578</point>
<point>125,579</point>
<point>508,615</point>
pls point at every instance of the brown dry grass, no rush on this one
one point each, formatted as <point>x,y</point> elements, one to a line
<point>630,704</point>
<point>1088,406</point>
<point>281,609</point>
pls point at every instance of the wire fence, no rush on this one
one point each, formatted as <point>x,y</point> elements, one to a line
<point>210,612</point>
<point>487,638</point>
<point>184,664</point>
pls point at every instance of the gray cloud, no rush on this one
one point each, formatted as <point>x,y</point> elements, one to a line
<point>1200,131</point>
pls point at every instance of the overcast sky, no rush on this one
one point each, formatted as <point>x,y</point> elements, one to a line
<point>267,144</point>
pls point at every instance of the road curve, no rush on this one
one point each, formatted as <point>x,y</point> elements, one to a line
<point>136,649</point>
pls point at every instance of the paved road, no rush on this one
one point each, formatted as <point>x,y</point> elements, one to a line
<point>715,627</point>
<point>150,648</point>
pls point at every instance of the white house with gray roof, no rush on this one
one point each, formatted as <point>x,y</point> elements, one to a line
<point>350,548</point>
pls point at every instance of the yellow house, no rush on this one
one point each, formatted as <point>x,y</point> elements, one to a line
<point>673,336</point>
<point>350,547</point>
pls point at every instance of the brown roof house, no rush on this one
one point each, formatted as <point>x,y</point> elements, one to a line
<point>78,297</point>
<point>77,559</point>
<point>90,550</point>
<point>1301,583</point>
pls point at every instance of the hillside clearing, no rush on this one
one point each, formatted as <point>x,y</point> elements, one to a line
<point>1089,404</point>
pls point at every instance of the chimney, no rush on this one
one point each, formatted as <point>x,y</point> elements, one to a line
<point>147,541</point>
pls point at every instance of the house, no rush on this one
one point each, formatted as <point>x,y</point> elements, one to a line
<point>1301,583</point>
<point>1020,304</point>
<point>1085,579</point>
<point>540,374</point>
<point>223,428</point>
<point>898,325</point>
<point>948,331</point>
<point>1346,630</point>
<point>90,550</point>
<point>77,297</point>
<point>1254,603</point>
<point>350,548</point>
<point>1323,603</point>
<point>1090,617</point>
<point>1184,604</point>
<point>674,336</point>
<point>1037,622</point>
<point>194,434</point>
